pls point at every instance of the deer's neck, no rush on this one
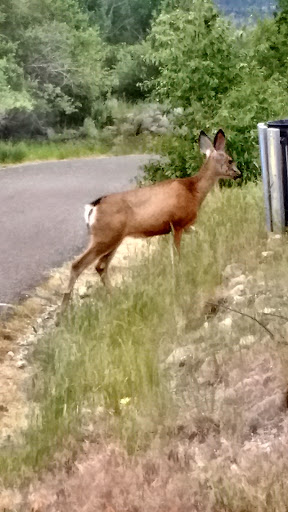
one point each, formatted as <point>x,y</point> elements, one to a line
<point>206,180</point>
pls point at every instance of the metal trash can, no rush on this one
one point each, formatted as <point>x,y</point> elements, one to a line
<point>282,125</point>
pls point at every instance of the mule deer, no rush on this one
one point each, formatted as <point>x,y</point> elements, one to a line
<point>158,209</point>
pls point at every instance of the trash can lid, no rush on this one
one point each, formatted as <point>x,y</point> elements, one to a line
<point>281,123</point>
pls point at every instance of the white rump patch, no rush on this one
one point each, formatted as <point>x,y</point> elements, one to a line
<point>90,214</point>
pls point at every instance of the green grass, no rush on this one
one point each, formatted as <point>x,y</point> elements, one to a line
<point>101,367</point>
<point>25,151</point>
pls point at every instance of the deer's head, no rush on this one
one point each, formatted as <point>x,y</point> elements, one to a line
<point>221,163</point>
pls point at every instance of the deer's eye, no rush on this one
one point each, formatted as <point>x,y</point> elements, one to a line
<point>230,161</point>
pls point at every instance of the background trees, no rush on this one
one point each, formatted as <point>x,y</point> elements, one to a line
<point>195,53</point>
<point>61,61</point>
<point>56,59</point>
<point>125,21</point>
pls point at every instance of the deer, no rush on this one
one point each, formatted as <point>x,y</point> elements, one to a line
<point>158,209</point>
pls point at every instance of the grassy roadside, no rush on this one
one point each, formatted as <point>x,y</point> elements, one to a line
<point>102,366</point>
<point>175,406</point>
<point>26,151</point>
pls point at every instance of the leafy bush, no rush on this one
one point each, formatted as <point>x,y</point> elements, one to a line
<point>196,54</point>
<point>240,117</point>
<point>131,70</point>
<point>89,129</point>
<point>53,65</point>
<point>13,95</point>
<point>221,80</point>
<point>10,153</point>
<point>122,22</point>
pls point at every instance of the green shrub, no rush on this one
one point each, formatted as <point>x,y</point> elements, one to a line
<point>131,71</point>
<point>89,129</point>
<point>196,53</point>
<point>246,105</point>
<point>11,153</point>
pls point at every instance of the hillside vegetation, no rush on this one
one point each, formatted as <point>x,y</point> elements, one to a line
<point>91,70</point>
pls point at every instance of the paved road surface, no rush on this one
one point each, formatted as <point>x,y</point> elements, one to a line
<point>41,214</point>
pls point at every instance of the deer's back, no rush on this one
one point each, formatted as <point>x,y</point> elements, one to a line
<point>150,210</point>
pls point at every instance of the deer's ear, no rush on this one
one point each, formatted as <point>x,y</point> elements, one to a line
<point>219,141</point>
<point>205,144</point>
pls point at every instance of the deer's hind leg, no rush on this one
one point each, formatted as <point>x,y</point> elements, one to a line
<point>102,268</point>
<point>78,266</point>
<point>177,234</point>
<point>96,251</point>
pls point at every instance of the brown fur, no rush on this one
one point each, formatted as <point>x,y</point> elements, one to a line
<point>153,210</point>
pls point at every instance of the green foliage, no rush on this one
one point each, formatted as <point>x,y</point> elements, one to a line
<point>12,97</point>
<point>131,70</point>
<point>267,100</point>
<point>195,53</point>
<point>183,158</point>
<point>12,153</point>
<point>61,62</point>
<point>282,6</point>
<point>89,129</point>
<point>266,45</point>
<point>237,116</point>
<point>12,84</point>
<point>232,79</point>
<point>127,21</point>
<point>63,11</point>
<point>56,70</point>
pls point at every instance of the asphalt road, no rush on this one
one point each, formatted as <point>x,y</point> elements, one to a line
<point>41,214</point>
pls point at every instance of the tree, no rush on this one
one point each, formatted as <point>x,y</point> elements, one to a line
<point>266,43</point>
<point>122,21</point>
<point>60,61</point>
<point>195,53</point>
<point>282,6</point>
<point>13,93</point>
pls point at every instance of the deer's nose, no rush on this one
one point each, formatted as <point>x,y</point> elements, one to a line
<point>238,174</point>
